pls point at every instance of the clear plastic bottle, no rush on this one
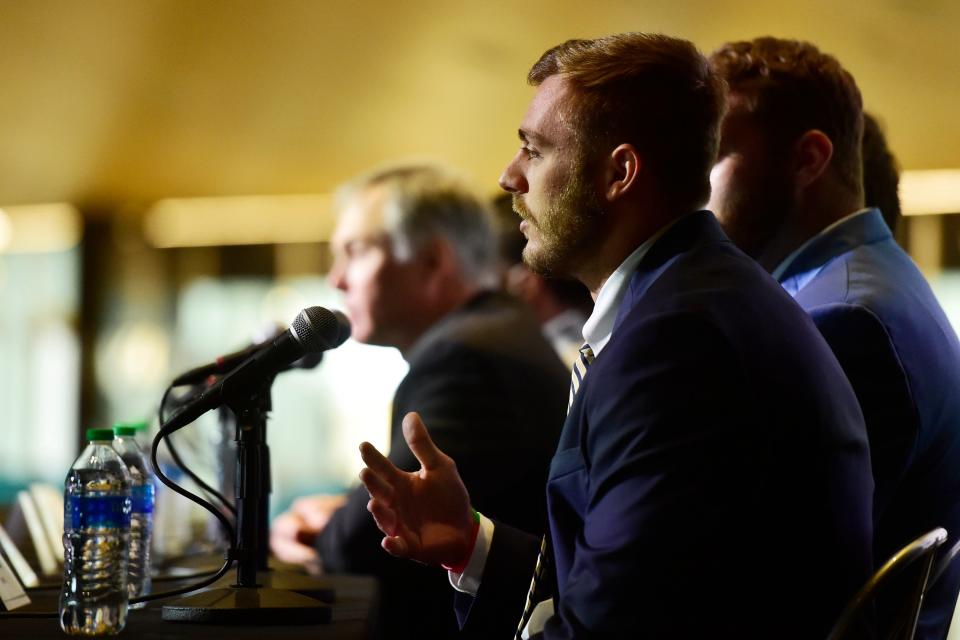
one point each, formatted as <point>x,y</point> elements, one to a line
<point>142,503</point>
<point>96,533</point>
<point>141,430</point>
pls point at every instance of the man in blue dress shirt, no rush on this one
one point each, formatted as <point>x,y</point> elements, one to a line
<point>788,190</point>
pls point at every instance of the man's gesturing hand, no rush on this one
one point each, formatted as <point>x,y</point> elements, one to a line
<point>425,515</point>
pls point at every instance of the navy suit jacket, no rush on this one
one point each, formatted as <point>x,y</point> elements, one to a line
<point>712,477</point>
<point>902,357</point>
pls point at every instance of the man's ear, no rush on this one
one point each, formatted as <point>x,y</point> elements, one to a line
<point>622,172</point>
<point>436,258</point>
<point>812,154</point>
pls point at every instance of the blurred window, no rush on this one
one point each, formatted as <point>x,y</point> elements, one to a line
<point>946,286</point>
<point>39,367</point>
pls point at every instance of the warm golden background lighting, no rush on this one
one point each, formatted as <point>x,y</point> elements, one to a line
<point>109,101</point>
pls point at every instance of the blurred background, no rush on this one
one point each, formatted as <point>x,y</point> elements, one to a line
<point>166,169</point>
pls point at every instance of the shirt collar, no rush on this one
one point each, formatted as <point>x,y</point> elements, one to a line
<point>783,266</point>
<point>599,326</point>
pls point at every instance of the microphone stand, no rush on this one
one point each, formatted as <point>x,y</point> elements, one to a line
<point>249,600</point>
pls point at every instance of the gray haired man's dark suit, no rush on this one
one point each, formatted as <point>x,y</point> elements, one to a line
<point>494,394</point>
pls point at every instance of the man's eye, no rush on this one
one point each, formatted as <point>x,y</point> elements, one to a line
<point>353,250</point>
<point>531,153</point>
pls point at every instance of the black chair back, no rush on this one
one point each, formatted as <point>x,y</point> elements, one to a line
<point>900,583</point>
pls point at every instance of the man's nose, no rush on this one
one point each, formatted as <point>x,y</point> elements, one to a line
<point>512,178</point>
<point>335,277</point>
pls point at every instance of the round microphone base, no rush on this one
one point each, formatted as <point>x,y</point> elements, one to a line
<point>247,605</point>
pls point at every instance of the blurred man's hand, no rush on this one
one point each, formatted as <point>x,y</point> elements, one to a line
<point>293,535</point>
<point>291,541</point>
<point>316,511</point>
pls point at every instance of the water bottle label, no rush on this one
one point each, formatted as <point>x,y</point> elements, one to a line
<point>142,498</point>
<point>86,512</point>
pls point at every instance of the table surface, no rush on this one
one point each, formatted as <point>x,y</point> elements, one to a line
<point>351,615</point>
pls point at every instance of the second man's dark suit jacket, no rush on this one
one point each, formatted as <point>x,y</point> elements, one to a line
<point>493,394</point>
<point>712,479</point>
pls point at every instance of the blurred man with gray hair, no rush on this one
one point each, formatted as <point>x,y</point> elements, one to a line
<point>415,256</point>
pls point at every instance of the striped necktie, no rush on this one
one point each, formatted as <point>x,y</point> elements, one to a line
<point>534,597</point>
<point>579,371</point>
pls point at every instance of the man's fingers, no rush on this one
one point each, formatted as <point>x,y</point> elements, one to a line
<point>379,463</point>
<point>290,540</point>
<point>307,513</point>
<point>292,551</point>
<point>376,486</point>
<point>288,525</point>
<point>415,433</point>
<point>383,515</point>
<point>317,522</point>
<point>396,546</point>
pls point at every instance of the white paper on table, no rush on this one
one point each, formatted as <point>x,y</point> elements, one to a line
<point>11,593</point>
<point>17,561</point>
<point>48,562</point>
<point>49,501</point>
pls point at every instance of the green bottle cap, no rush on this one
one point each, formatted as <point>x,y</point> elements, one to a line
<point>124,430</point>
<point>99,434</point>
<point>140,425</point>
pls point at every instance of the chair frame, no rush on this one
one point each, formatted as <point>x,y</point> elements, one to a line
<point>923,549</point>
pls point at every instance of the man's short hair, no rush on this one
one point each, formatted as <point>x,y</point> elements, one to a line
<point>792,87</point>
<point>655,92</point>
<point>424,201</point>
<point>881,172</point>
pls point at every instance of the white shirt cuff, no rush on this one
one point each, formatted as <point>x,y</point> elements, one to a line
<point>538,619</point>
<point>469,581</point>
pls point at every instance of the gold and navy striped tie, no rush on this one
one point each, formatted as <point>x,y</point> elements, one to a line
<point>543,558</point>
<point>579,370</point>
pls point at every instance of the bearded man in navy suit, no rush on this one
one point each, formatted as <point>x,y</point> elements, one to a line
<point>788,189</point>
<point>712,477</point>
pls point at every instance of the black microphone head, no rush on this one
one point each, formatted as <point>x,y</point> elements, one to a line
<point>319,329</point>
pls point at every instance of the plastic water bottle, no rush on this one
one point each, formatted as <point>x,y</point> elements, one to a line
<point>96,533</point>
<point>141,513</point>
<point>141,430</point>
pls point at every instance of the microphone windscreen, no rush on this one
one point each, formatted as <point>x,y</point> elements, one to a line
<point>319,329</point>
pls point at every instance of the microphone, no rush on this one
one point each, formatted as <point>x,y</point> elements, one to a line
<point>314,331</point>
<point>226,363</point>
